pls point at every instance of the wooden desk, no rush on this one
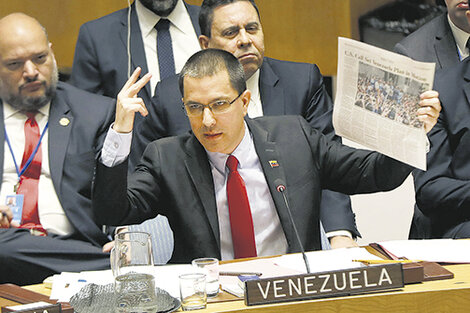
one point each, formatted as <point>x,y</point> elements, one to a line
<point>451,295</point>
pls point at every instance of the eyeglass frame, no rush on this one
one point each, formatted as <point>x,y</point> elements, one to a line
<point>209,106</point>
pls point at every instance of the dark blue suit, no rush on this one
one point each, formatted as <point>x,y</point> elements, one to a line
<point>100,61</point>
<point>286,88</point>
<point>73,148</point>
<point>443,191</point>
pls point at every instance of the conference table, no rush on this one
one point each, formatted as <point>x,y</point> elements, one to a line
<point>450,295</point>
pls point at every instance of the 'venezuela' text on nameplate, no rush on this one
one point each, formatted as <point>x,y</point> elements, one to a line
<point>324,284</point>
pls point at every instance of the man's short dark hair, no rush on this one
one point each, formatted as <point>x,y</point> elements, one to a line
<point>206,15</point>
<point>209,62</point>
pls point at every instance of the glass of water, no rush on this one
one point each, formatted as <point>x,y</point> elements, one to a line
<point>210,267</point>
<point>193,291</point>
<point>132,266</point>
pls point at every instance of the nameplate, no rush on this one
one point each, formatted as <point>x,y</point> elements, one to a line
<point>324,284</point>
<point>37,307</point>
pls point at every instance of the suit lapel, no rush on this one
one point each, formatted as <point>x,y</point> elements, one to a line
<point>466,85</point>
<point>445,46</point>
<point>137,46</point>
<point>271,91</point>
<point>60,126</point>
<point>273,169</point>
<point>193,12</point>
<point>199,170</point>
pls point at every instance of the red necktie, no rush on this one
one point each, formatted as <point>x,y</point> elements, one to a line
<point>241,222</point>
<point>30,179</point>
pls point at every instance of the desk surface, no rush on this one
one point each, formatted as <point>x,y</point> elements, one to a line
<point>451,295</point>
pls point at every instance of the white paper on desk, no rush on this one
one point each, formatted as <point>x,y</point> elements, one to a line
<point>433,250</point>
<point>166,277</point>
<point>267,267</point>
<point>326,260</point>
<point>65,285</point>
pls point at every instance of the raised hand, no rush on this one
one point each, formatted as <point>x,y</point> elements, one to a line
<point>128,103</point>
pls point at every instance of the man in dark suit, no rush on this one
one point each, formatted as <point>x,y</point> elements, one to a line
<point>57,231</point>
<point>442,40</point>
<point>185,178</point>
<point>277,87</point>
<point>443,191</point>
<point>101,55</point>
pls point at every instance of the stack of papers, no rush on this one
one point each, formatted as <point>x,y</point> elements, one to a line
<point>433,250</point>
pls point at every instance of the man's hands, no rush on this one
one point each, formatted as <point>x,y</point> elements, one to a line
<point>430,108</point>
<point>342,242</point>
<point>5,217</point>
<point>128,103</point>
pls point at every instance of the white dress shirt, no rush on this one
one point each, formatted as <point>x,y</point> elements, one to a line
<point>269,235</point>
<point>255,109</point>
<point>183,36</point>
<point>51,213</point>
<point>461,38</point>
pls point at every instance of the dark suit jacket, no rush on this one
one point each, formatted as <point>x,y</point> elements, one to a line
<point>100,62</point>
<point>175,179</point>
<point>286,88</point>
<point>443,191</point>
<point>72,152</point>
<point>433,42</point>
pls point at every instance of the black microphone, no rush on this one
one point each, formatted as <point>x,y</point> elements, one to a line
<point>281,187</point>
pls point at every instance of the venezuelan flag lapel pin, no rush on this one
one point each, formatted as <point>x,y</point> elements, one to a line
<point>273,163</point>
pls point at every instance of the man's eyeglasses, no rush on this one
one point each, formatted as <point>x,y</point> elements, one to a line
<point>216,107</point>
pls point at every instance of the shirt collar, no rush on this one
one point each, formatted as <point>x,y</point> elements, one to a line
<point>9,111</point>
<point>241,152</point>
<point>460,36</point>
<point>148,19</point>
<point>253,84</point>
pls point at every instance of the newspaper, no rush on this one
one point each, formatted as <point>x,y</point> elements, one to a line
<point>377,99</point>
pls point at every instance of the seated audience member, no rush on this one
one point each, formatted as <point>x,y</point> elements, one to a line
<point>51,132</point>
<point>218,185</point>
<point>443,191</point>
<point>443,40</point>
<point>277,88</point>
<point>163,35</point>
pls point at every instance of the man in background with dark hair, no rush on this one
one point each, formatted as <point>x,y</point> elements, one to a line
<point>163,35</point>
<point>443,40</point>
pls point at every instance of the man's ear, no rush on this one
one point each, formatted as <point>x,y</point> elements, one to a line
<point>246,96</point>
<point>204,42</point>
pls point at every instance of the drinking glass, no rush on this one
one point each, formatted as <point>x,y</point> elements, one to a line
<point>210,267</point>
<point>193,291</point>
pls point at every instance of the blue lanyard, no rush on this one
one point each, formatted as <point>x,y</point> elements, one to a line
<point>31,157</point>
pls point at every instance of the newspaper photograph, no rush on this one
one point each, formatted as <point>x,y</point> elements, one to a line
<point>377,98</point>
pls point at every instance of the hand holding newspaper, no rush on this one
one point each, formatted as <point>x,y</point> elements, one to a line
<point>377,99</point>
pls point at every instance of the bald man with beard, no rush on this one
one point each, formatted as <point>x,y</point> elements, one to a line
<point>57,231</point>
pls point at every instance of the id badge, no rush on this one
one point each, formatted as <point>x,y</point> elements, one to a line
<point>15,202</point>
